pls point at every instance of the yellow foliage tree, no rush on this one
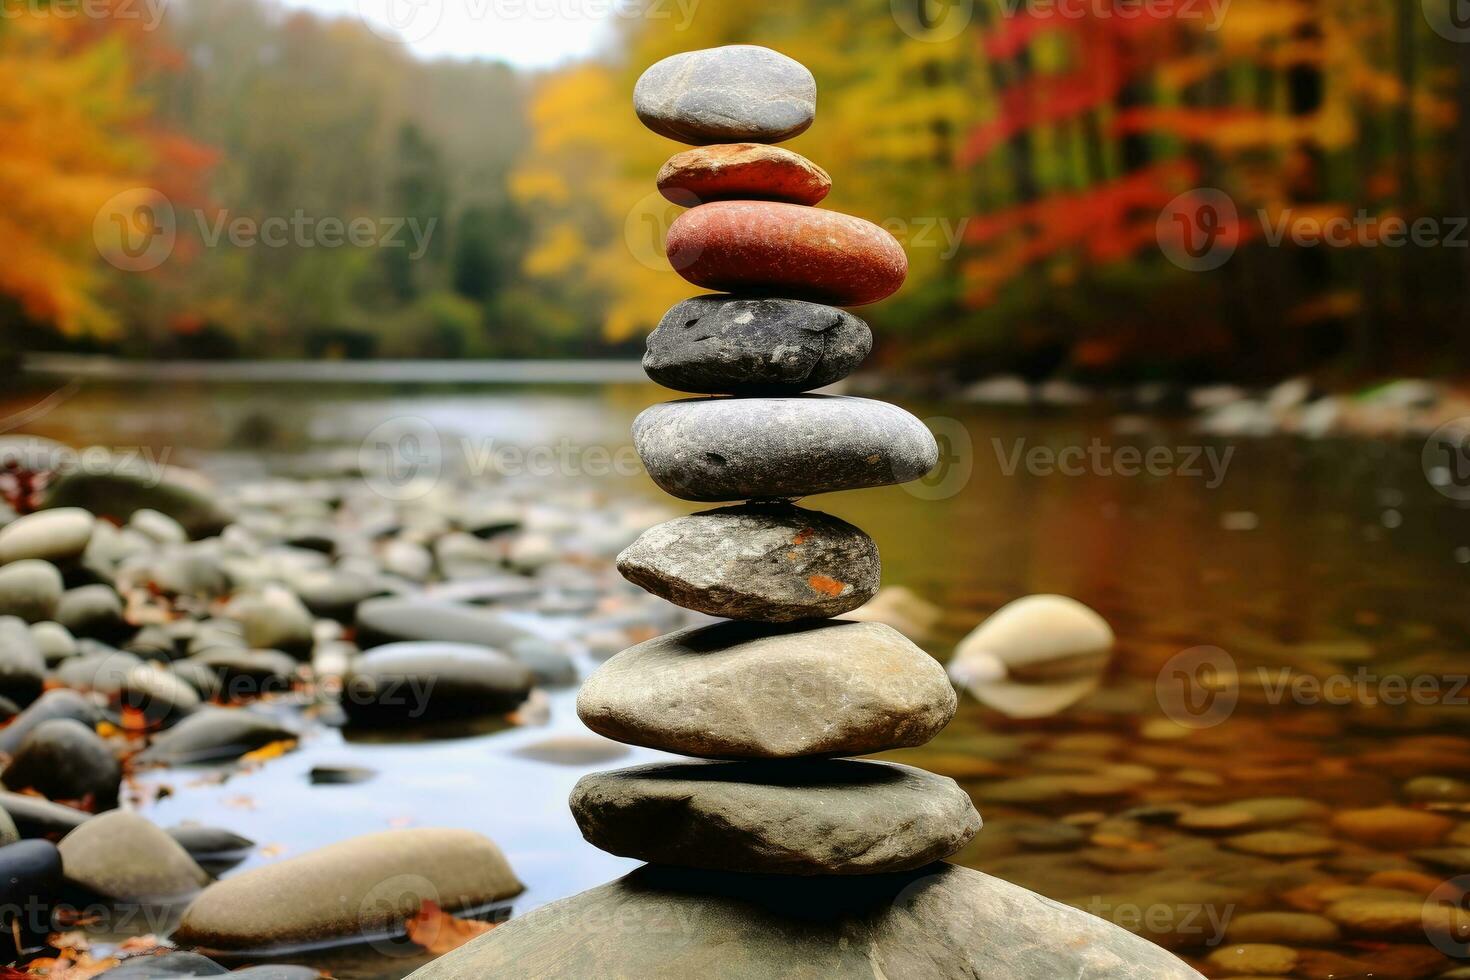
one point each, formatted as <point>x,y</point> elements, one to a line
<point>70,142</point>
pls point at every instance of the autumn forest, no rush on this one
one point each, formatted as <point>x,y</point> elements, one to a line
<point>1117,191</point>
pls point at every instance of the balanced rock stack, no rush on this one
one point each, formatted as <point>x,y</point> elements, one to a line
<point>779,692</point>
<point>775,855</point>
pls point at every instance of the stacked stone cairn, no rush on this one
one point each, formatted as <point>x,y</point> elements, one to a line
<point>779,688</point>
<point>776,855</point>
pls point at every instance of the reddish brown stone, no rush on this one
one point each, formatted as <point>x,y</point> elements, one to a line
<point>742,172</point>
<point>773,249</point>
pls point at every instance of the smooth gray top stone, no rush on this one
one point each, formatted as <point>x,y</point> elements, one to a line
<point>733,345</point>
<point>393,620</point>
<point>770,563</point>
<point>756,690</point>
<point>833,817</point>
<point>714,449</point>
<point>734,94</point>
<point>938,921</point>
<point>427,680</point>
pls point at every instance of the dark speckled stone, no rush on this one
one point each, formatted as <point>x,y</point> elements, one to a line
<point>732,345</point>
<point>743,448</point>
<point>737,93</point>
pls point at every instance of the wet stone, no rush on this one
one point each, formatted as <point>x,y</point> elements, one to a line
<point>743,346</point>
<point>820,818</point>
<point>738,449</point>
<point>769,563</point>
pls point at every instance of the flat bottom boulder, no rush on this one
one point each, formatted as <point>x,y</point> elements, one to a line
<point>938,921</point>
<point>351,891</point>
<point>833,817</point>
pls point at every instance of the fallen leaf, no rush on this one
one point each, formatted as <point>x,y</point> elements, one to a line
<point>272,751</point>
<point>439,932</point>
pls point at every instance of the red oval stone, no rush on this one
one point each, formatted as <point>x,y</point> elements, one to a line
<point>775,249</point>
<point>742,172</point>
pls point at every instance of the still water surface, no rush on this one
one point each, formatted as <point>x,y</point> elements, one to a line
<point>1330,559</point>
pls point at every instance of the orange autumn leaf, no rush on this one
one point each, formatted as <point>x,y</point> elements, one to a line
<point>272,751</point>
<point>439,932</point>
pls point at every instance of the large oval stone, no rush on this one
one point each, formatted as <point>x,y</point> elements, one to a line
<point>741,346</point>
<point>357,889</point>
<point>740,92</point>
<point>123,856</point>
<point>742,448</point>
<point>742,172</point>
<point>769,248</point>
<point>835,817</point>
<point>938,921</point>
<point>56,536</point>
<point>747,690</point>
<point>403,683</point>
<point>772,563</point>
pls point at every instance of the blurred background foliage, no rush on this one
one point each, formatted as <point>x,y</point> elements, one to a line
<point>1024,160</point>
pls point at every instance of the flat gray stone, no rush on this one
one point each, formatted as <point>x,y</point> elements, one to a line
<point>57,536</point>
<point>829,817</point>
<point>392,620</point>
<point>734,345</point>
<point>357,889</point>
<point>420,682</point>
<point>772,563</point>
<point>94,611</point>
<point>35,817</point>
<point>123,856</point>
<point>935,922</point>
<point>22,668</point>
<point>733,94</point>
<point>211,734</point>
<point>64,759</point>
<point>123,487</point>
<point>30,589</point>
<point>748,690</point>
<point>718,449</point>
<point>57,703</point>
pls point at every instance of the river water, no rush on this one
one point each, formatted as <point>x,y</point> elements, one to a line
<point>1312,574</point>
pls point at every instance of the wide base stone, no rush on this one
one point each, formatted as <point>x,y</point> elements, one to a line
<point>832,817</point>
<point>937,922</point>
